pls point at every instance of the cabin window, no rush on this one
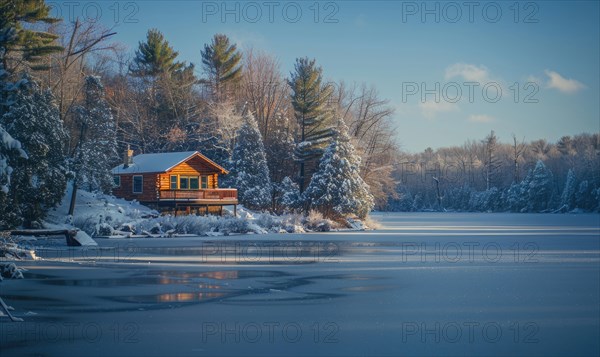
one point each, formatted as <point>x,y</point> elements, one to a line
<point>204,182</point>
<point>188,182</point>
<point>184,183</point>
<point>173,184</point>
<point>194,183</point>
<point>138,183</point>
<point>117,181</point>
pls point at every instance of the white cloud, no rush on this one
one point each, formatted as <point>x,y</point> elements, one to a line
<point>431,109</point>
<point>468,72</point>
<point>565,85</point>
<point>480,118</point>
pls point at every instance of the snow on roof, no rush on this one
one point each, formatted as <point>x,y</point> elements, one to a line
<point>162,162</point>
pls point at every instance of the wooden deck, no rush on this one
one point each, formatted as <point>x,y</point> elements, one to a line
<point>218,197</point>
<point>206,201</point>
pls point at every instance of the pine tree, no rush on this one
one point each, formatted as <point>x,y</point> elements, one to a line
<point>7,34</point>
<point>539,192</point>
<point>155,57</point>
<point>515,198</point>
<point>19,34</point>
<point>567,199</point>
<point>310,101</point>
<point>166,92</point>
<point>10,149</point>
<point>250,173</point>
<point>485,201</point>
<point>585,196</point>
<point>8,145</point>
<point>336,189</point>
<point>287,198</point>
<point>97,149</point>
<point>458,198</point>
<point>21,42</point>
<point>221,62</point>
<point>10,152</point>
<point>39,182</point>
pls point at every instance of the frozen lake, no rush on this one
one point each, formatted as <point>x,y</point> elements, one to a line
<point>424,284</point>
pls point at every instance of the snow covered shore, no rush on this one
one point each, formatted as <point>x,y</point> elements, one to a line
<point>105,216</point>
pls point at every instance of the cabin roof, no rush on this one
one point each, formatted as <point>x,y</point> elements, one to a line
<point>162,162</point>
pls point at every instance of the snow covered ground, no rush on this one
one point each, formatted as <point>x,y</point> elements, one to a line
<point>92,210</point>
<point>423,284</point>
<point>109,217</point>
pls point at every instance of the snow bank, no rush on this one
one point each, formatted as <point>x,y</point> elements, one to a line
<point>99,215</point>
<point>246,222</point>
<point>11,249</point>
<point>96,214</point>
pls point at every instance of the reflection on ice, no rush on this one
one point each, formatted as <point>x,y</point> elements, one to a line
<point>170,298</point>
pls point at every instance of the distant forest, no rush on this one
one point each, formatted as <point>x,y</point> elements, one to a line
<point>487,175</point>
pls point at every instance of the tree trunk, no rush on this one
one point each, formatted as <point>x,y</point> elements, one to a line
<point>439,195</point>
<point>73,198</point>
<point>301,185</point>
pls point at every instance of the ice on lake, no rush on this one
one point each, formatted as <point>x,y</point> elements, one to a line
<point>425,284</point>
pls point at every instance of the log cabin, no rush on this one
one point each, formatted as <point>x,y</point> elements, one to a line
<point>173,182</point>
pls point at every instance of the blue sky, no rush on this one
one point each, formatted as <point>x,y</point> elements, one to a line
<point>550,50</point>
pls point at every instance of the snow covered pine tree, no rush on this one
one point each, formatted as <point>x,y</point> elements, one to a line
<point>336,189</point>
<point>10,151</point>
<point>250,173</point>
<point>39,182</point>
<point>289,198</point>
<point>540,188</point>
<point>97,148</point>
<point>567,199</point>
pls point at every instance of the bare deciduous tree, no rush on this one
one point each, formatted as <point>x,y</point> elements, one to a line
<point>518,149</point>
<point>67,68</point>
<point>264,89</point>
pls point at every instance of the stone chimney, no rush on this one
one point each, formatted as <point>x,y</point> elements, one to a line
<point>127,158</point>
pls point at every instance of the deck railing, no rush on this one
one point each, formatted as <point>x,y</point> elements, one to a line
<point>229,194</point>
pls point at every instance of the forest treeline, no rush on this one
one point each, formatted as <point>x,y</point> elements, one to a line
<point>72,100</point>
<point>488,175</point>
